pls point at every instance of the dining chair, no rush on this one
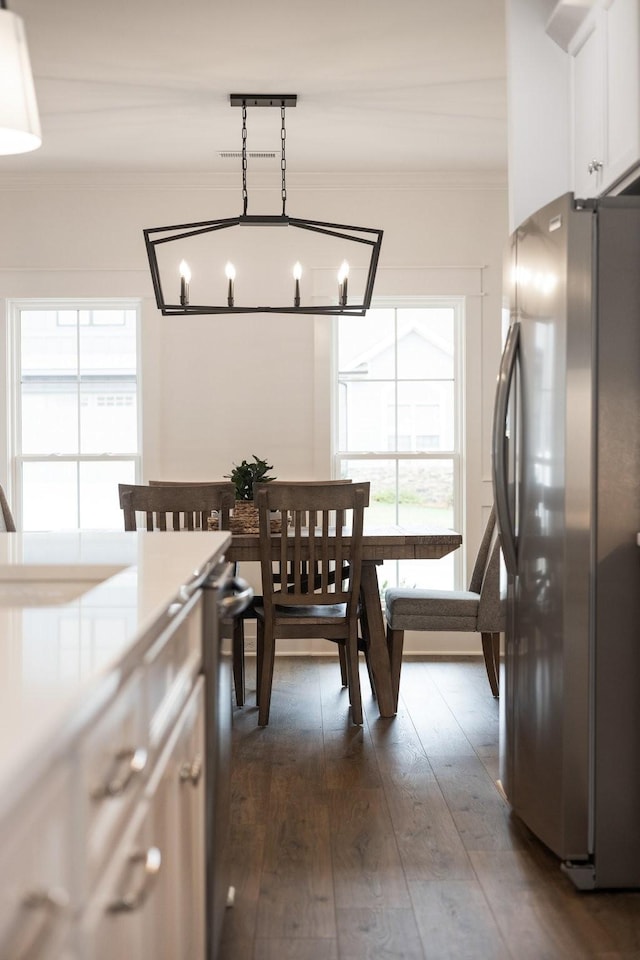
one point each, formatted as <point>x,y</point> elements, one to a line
<point>177,507</point>
<point>188,505</point>
<point>477,609</point>
<point>249,613</point>
<point>237,638</point>
<point>7,523</point>
<point>310,584</point>
<point>363,636</point>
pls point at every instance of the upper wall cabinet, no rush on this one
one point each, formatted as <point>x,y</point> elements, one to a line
<point>605,56</point>
<point>621,26</point>
<point>587,72</point>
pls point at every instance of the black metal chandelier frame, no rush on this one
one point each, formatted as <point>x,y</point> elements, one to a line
<point>371,237</point>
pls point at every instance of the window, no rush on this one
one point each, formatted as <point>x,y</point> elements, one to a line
<point>398,412</point>
<point>75,402</point>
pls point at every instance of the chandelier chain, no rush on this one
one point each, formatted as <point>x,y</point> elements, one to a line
<point>245,195</point>
<point>283,160</point>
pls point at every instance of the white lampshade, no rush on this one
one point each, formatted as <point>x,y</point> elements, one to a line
<point>19,120</point>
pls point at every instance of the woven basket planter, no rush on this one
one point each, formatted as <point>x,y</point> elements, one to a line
<point>244,519</point>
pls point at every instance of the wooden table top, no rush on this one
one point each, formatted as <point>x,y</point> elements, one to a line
<point>393,542</point>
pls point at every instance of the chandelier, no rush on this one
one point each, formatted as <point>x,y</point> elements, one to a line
<point>193,265</point>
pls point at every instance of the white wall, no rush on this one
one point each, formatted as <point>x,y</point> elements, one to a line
<point>217,389</point>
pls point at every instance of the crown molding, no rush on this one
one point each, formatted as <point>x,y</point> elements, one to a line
<point>184,181</point>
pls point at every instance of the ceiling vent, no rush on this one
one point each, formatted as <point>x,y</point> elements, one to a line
<point>251,154</point>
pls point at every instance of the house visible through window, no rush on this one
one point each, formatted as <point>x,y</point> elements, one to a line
<point>76,413</point>
<point>398,409</point>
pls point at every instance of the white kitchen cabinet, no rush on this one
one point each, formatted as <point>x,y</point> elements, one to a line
<point>105,777</point>
<point>150,898</point>
<point>587,79</point>
<point>621,25</point>
<point>170,667</point>
<point>605,55</point>
<point>150,901</point>
<point>113,765</point>
<point>36,896</point>
<point>188,784</point>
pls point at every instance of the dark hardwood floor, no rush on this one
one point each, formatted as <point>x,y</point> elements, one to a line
<point>392,840</point>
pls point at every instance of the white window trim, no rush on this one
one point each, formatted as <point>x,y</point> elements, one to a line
<point>465,281</point>
<point>16,460</point>
<point>456,454</point>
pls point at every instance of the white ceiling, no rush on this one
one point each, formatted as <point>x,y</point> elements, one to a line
<point>383,85</point>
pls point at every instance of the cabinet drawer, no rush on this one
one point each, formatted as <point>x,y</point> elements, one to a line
<point>150,900</point>
<point>113,765</point>
<point>36,875</point>
<point>188,772</point>
<point>108,930</point>
<point>171,665</point>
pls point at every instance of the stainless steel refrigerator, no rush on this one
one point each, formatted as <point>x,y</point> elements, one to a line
<point>566,472</point>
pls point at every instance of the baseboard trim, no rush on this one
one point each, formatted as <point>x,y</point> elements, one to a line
<point>415,644</point>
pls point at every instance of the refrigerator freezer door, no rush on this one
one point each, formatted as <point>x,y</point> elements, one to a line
<point>617,558</point>
<point>570,744</point>
<point>547,675</point>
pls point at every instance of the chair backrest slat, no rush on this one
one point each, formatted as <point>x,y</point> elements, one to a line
<point>314,565</point>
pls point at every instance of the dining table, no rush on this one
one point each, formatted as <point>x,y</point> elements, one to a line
<point>379,543</point>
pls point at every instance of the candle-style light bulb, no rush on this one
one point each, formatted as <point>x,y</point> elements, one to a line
<point>297,273</point>
<point>230,272</point>
<point>185,280</point>
<point>343,276</point>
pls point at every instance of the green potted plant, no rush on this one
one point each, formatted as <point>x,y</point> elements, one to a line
<point>243,476</point>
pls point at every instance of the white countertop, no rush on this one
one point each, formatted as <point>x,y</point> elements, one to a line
<point>64,629</point>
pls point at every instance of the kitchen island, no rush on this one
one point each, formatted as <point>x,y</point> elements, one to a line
<point>102,733</point>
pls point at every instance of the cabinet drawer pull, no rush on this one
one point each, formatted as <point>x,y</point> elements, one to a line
<point>152,860</point>
<point>127,764</point>
<point>190,772</point>
<point>595,165</point>
<point>32,932</point>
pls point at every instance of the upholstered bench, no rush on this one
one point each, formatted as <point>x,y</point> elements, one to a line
<point>477,609</point>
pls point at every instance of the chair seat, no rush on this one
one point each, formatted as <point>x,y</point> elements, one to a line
<point>319,613</point>
<point>476,610</point>
<point>427,609</point>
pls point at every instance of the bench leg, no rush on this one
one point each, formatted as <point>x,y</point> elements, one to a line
<point>238,660</point>
<point>395,644</point>
<point>266,656</point>
<point>343,664</point>
<point>491,653</point>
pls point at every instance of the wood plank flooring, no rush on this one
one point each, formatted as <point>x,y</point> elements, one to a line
<point>391,840</point>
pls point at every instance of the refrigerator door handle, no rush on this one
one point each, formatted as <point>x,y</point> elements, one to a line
<point>499,462</point>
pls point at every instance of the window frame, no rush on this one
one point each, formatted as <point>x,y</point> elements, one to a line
<point>16,458</point>
<point>457,302</point>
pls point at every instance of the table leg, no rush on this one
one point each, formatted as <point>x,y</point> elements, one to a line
<point>378,654</point>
